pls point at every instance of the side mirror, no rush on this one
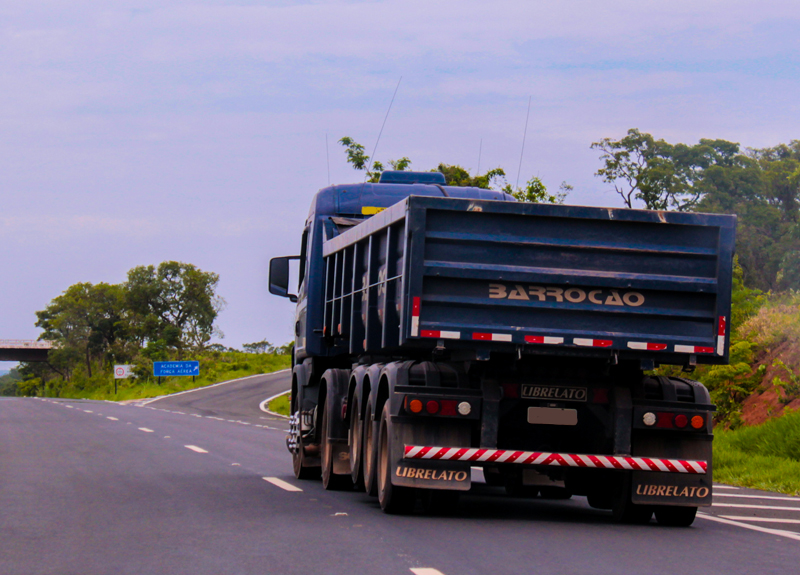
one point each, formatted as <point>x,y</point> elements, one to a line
<point>279,277</point>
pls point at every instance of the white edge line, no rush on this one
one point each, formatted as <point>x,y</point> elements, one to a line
<point>263,405</point>
<point>779,532</point>
<point>763,519</point>
<point>281,483</point>
<point>425,571</point>
<point>149,401</point>
<point>195,448</point>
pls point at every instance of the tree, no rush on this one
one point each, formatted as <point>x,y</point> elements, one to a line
<point>84,320</point>
<point>652,171</point>
<point>534,190</point>
<point>175,303</point>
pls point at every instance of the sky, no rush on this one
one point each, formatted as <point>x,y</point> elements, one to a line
<point>133,133</point>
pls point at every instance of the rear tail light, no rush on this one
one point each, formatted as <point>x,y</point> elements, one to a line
<point>669,420</point>
<point>430,406</point>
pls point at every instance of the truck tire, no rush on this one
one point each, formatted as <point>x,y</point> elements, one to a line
<point>298,461</point>
<point>370,451</point>
<point>330,480</point>
<point>626,511</point>
<point>393,499</point>
<point>356,444</point>
<point>675,516</point>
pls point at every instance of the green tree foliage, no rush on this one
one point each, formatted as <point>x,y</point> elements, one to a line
<point>533,191</point>
<point>761,186</point>
<point>174,303</point>
<point>158,314</point>
<point>9,382</point>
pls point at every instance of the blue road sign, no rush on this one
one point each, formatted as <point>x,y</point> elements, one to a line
<point>171,368</point>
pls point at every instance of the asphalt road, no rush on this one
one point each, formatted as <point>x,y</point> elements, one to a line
<point>201,483</point>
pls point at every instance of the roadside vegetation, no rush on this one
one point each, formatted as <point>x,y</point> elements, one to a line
<point>162,313</point>
<point>281,404</point>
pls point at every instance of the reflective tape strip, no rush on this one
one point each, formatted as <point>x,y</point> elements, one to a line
<point>544,339</point>
<point>647,346</point>
<point>475,455</point>
<point>592,342</point>
<point>721,335</point>
<point>693,349</point>
<point>491,336</point>
<point>416,304</point>
<point>440,334</point>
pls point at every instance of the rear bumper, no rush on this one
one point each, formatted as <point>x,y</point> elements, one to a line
<point>478,456</point>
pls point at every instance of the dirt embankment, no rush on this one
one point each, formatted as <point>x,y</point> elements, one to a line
<point>771,400</point>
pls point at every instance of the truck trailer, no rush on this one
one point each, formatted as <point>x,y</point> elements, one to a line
<point>443,328</point>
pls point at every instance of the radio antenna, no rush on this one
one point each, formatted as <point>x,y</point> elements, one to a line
<point>480,149</point>
<point>328,158</point>
<point>525,133</point>
<point>375,149</point>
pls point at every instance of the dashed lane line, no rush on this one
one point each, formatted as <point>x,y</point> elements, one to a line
<point>772,497</point>
<point>112,418</point>
<point>779,532</point>
<point>760,519</point>
<point>425,571</point>
<point>745,506</point>
<point>87,411</point>
<point>195,448</point>
<point>281,483</point>
<point>145,430</point>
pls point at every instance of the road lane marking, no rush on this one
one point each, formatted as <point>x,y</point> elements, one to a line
<point>112,418</point>
<point>762,519</point>
<point>264,405</point>
<point>724,487</point>
<point>195,448</point>
<point>87,411</point>
<point>145,430</point>
<point>215,385</point>
<point>795,499</point>
<point>69,406</point>
<point>743,506</point>
<point>779,532</point>
<point>425,571</point>
<point>281,483</point>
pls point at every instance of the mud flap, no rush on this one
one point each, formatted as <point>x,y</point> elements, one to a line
<point>427,474</point>
<point>655,488</point>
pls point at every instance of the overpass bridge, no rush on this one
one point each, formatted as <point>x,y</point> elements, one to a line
<point>24,350</point>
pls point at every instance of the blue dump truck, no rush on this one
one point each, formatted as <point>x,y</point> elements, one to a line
<point>442,329</point>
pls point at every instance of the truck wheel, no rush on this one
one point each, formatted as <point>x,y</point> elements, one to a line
<point>298,459</point>
<point>625,510</point>
<point>356,450</point>
<point>330,481</point>
<point>393,499</point>
<point>370,452</point>
<point>676,516</point>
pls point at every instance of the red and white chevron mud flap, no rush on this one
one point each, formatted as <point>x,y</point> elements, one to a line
<point>479,456</point>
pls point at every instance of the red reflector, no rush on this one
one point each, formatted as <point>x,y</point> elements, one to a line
<point>511,390</point>
<point>681,420</point>
<point>698,421</point>
<point>600,395</point>
<point>432,407</point>
<point>448,407</point>
<point>665,420</point>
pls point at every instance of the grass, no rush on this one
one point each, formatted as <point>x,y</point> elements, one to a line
<point>214,368</point>
<point>766,456</point>
<point>280,404</point>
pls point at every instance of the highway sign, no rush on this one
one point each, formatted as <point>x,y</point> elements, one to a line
<point>171,368</point>
<point>123,371</point>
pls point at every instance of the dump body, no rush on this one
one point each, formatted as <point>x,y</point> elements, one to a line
<point>442,328</point>
<point>493,276</point>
